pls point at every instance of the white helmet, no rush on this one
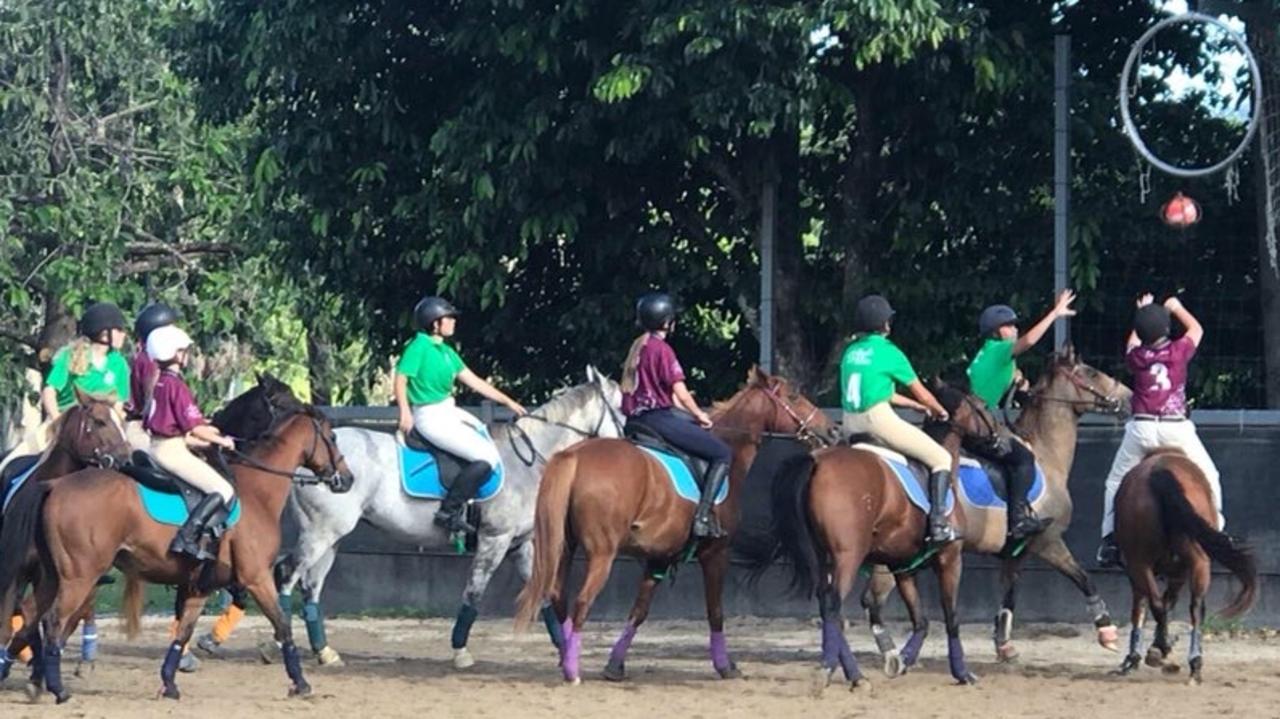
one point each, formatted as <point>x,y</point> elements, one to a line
<point>164,342</point>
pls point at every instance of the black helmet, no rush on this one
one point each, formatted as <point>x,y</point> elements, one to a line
<point>153,316</point>
<point>99,317</point>
<point>995,317</point>
<point>655,310</point>
<point>1152,323</point>
<point>871,314</point>
<point>431,309</point>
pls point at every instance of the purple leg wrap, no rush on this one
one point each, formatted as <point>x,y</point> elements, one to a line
<point>911,650</point>
<point>619,653</point>
<point>572,655</point>
<point>955,656</point>
<point>719,652</point>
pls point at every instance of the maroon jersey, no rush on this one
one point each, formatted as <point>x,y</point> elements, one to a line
<point>1160,377</point>
<point>142,369</point>
<point>173,411</point>
<point>657,371</point>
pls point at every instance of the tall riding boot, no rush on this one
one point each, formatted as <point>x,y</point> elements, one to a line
<point>705,524</point>
<point>1109,553</point>
<point>940,530</point>
<point>187,541</point>
<point>452,509</point>
<point>1022,519</point>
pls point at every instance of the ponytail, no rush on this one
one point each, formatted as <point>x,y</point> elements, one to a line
<point>151,383</point>
<point>81,350</point>
<point>629,365</point>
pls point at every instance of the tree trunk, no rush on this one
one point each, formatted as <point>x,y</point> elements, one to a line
<point>319,368</point>
<point>794,355</point>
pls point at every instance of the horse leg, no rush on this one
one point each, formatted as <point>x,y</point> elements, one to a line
<point>313,578</point>
<point>949,565</point>
<point>56,624</point>
<point>1160,645</point>
<point>879,585</point>
<point>490,551</point>
<point>524,567</point>
<point>560,604</point>
<point>1010,570</point>
<point>191,604</point>
<point>599,564</point>
<point>1137,617</point>
<point>714,558</point>
<point>616,669</point>
<point>1200,569</point>
<point>263,591</point>
<point>1056,555</point>
<point>919,623</point>
<point>87,619</point>
<point>835,646</point>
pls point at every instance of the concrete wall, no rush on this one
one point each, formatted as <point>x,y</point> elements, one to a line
<point>372,571</point>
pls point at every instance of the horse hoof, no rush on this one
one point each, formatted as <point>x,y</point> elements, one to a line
<point>302,689</point>
<point>968,680</point>
<point>575,681</point>
<point>329,657</point>
<point>893,664</point>
<point>80,668</point>
<point>1109,638</point>
<point>170,692</point>
<point>1131,662</point>
<point>1007,653</point>
<point>268,652</point>
<point>62,698</point>
<point>615,672</point>
<point>32,690</point>
<point>821,680</point>
<point>860,686</point>
<point>189,663</point>
<point>729,672</point>
<point>1154,658</point>
<point>1194,680</point>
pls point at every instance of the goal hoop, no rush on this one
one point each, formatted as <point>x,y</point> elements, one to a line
<point>1255,110</point>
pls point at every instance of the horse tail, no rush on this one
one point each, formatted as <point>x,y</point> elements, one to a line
<point>1181,519</point>
<point>17,539</point>
<point>131,606</point>
<point>792,534</point>
<point>550,518</point>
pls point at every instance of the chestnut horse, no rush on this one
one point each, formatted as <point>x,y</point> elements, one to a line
<point>78,542</point>
<point>609,497</point>
<point>1166,526</point>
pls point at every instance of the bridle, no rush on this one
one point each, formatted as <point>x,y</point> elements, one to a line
<point>518,435</point>
<point>98,458</point>
<point>804,431</point>
<point>1103,402</point>
<point>330,475</point>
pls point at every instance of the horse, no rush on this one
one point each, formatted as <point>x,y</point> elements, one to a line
<point>839,507</point>
<point>505,525</point>
<point>609,496</point>
<point>1049,425</point>
<point>77,543</point>
<point>1166,525</point>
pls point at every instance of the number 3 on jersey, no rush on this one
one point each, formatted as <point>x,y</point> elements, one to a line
<point>1160,376</point>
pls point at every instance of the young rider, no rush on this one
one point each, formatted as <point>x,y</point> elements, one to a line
<point>994,377</point>
<point>143,370</point>
<point>870,370</point>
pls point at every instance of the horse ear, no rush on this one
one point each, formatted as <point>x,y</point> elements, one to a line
<point>758,377</point>
<point>1069,353</point>
<point>592,377</point>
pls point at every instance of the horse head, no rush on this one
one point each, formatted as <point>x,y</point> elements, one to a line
<point>1083,387</point>
<point>770,403</point>
<point>92,432</point>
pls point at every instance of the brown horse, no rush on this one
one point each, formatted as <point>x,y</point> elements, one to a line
<point>78,542</point>
<point>1166,526</point>
<point>841,507</point>
<point>1049,425</point>
<point>610,497</point>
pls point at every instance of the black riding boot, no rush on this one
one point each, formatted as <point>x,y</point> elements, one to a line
<point>940,530</point>
<point>1023,521</point>
<point>1109,553</point>
<point>451,514</point>
<point>189,534</point>
<point>705,524</point>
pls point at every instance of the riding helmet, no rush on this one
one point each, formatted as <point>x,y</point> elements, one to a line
<point>164,342</point>
<point>871,314</point>
<point>655,310</point>
<point>100,317</point>
<point>1152,323</point>
<point>995,317</point>
<point>429,310</point>
<point>152,317</point>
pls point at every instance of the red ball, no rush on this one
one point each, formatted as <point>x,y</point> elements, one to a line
<point>1180,211</point>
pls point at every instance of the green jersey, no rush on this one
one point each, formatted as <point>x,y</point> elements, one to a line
<point>431,366</point>
<point>108,377</point>
<point>870,368</point>
<point>992,370</point>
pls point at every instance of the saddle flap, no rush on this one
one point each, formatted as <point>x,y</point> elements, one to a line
<point>415,440</point>
<point>17,467</point>
<point>641,435</point>
<point>143,469</point>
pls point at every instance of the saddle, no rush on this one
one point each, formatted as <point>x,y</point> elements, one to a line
<point>143,470</point>
<point>449,465</point>
<point>975,472</point>
<point>641,435</point>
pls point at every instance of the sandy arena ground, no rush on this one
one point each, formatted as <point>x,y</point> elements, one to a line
<point>402,668</point>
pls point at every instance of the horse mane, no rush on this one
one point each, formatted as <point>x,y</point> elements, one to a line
<point>950,396</point>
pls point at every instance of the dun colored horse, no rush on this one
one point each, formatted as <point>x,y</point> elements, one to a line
<point>841,507</point>
<point>1049,424</point>
<point>78,541</point>
<point>1165,526</point>
<point>610,497</point>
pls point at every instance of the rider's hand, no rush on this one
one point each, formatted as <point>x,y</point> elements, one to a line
<point>227,443</point>
<point>1062,306</point>
<point>1146,299</point>
<point>406,422</point>
<point>517,408</point>
<point>703,419</point>
<point>940,414</point>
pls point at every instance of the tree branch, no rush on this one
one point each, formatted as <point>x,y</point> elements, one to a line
<point>21,338</point>
<point>100,122</point>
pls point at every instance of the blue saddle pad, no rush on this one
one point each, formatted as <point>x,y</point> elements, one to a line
<point>682,480</point>
<point>977,489</point>
<point>913,487</point>
<point>16,484</point>
<point>168,508</point>
<point>420,476</point>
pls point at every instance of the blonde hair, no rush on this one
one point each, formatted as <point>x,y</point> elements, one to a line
<point>81,350</point>
<point>629,365</point>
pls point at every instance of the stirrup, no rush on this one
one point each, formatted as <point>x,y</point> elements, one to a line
<point>708,528</point>
<point>453,523</point>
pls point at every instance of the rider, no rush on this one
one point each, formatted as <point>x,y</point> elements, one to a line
<point>653,386</point>
<point>425,377</point>
<point>1159,368</point>
<point>175,424</point>
<point>870,369</point>
<point>142,369</point>
<point>994,378</point>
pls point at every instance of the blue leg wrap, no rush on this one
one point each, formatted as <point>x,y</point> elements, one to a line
<point>315,626</point>
<point>462,626</point>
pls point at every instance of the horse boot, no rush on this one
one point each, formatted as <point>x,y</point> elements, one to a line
<point>705,524</point>
<point>450,516</point>
<point>187,541</point>
<point>940,529</point>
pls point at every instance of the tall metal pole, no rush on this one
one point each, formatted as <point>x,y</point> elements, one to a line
<point>768,211</point>
<point>1061,174</point>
